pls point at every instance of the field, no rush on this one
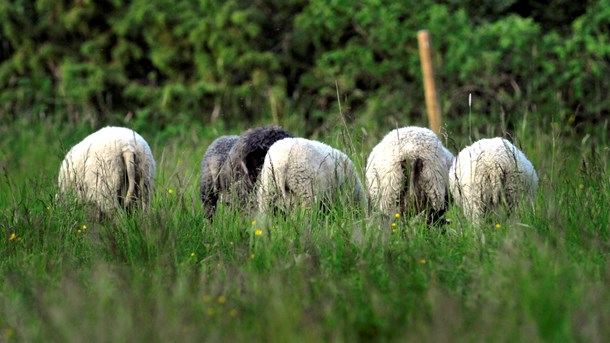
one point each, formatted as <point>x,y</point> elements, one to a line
<point>170,275</point>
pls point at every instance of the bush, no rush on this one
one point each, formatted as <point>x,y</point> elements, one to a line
<point>294,61</point>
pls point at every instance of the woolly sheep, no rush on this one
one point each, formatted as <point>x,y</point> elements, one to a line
<point>111,167</point>
<point>298,171</point>
<point>211,165</point>
<point>407,171</point>
<point>239,171</point>
<point>489,173</point>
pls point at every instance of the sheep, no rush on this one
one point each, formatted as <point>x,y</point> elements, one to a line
<point>211,165</point>
<point>489,173</point>
<point>239,171</point>
<point>298,171</point>
<point>407,173</point>
<point>112,168</point>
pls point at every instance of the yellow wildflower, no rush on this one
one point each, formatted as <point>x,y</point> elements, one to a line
<point>207,298</point>
<point>79,231</point>
<point>393,224</point>
<point>192,254</point>
<point>422,261</point>
<point>581,186</point>
<point>397,215</point>
<point>170,191</point>
<point>254,222</point>
<point>498,225</point>
<point>258,232</point>
<point>84,227</point>
<point>231,242</point>
<point>233,313</point>
<point>210,312</point>
<point>252,256</point>
<point>9,333</point>
<point>13,236</point>
<point>221,299</point>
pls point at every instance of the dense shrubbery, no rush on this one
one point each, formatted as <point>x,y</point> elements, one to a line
<point>237,59</point>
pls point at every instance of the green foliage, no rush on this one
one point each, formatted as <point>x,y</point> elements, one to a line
<point>294,61</point>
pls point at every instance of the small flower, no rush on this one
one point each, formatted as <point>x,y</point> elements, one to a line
<point>233,313</point>
<point>48,208</point>
<point>258,232</point>
<point>254,222</point>
<point>252,256</point>
<point>393,230</point>
<point>498,226</point>
<point>207,298</point>
<point>397,215</point>
<point>12,236</point>
<point>221,299</point>
<point>192,254</point>
<point>9,333</point>
<point>571,119</point>
<point>581,186</point>
<point>393,224</point>
<point>210,312</point>
<point>170,191</point>
<point>231,242</point>
<point>84,227</point>
<point>79,231</point>
<point>422,261</point>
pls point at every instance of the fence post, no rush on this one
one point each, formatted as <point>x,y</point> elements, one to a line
<point>432,105</point>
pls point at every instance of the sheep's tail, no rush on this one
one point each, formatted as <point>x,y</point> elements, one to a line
<point>129,158</point>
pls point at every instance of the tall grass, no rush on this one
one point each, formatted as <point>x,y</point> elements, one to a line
<point>167,275</point>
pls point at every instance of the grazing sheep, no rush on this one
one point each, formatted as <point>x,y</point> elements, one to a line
<point>407,173</point>
<point>231,166</point>
<point>489,173</point>
<point>298,171</point>
<point>245,160</point>
<point>111,167</point>
<point>214,158</point>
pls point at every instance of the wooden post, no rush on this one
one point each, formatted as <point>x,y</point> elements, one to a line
<point>432,105</point>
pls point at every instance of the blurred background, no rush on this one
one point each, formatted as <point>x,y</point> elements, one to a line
<point>162,64</point>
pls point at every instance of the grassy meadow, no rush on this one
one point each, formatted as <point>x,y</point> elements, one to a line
<point>170,275</point>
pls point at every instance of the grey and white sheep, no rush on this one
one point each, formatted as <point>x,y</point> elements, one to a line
<point>407,173</point>
<point>302,172</point>
<point>239,170</point>
<point>212,185</point>
<point>112,167</point>
<point>488,174</point>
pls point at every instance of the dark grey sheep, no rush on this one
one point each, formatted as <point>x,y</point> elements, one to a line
<point>211,166</point>
<point>240,167</point>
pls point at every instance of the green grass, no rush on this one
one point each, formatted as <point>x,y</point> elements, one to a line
<point>171,275</point>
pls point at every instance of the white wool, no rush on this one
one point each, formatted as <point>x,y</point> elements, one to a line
<point>109,167</point>
<point>489,172</point>
<point>302,171</point>
<point>385,171</point>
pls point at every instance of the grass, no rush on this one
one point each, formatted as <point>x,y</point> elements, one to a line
<point>540,275</point>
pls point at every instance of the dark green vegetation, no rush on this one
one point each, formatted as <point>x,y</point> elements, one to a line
<point>166,63</point>
<point>183,73</point>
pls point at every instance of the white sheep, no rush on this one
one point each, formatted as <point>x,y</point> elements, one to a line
<point>211,186</point>
<point>111,167</point>
<point>488,174</point>
<point>302,172</point>
<point>407,173</point>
